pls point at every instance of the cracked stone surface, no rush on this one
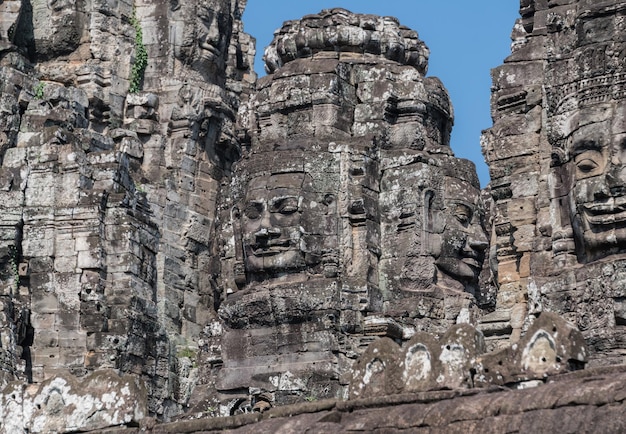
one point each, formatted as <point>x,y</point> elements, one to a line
<point>214,244</point>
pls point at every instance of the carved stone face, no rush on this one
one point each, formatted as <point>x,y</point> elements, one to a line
<point>212,30</point>
<point>271,223</point>
<point>598,173</point>
<point>463,241</point>
<point>201,35</point>
<point>56,27</point>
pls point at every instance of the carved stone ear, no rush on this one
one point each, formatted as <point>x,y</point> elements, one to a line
<point>330,262</point>
<point>563,241</point>
<point>558,157</point>
<point>239,268</point>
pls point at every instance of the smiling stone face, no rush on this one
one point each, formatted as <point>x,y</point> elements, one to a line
<point>598,174</point>
<point>271,223</point>
<point>201,34</point>
<point>213,26</point>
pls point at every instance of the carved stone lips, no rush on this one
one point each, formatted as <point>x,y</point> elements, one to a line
<point>611,211</point>
<point>210,48</point>
<point>472,262</point>
<point>470,257</point>
<point>273,247</point>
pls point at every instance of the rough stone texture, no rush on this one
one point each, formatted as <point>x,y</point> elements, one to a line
<point>109,197</point>
<point>556,166</point>
<point>458,359</point>
<point>550,346</point>
<point>175,234</point>
<point>348,216</point>
<point>67,404</point>
<point>584,401</point>
<point>425,362</point>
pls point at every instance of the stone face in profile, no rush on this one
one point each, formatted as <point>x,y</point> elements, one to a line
<point>463,240</point>
<point>433,239</point>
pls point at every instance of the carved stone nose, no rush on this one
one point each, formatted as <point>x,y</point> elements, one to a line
<point>478,245</point>
<point>602,190</point>
<point>478,241</point>
<point>266,233</point>
<point>615,181</point>
<point>213,33</point>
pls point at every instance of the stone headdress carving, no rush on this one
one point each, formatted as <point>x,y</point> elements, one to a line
<point>586,67</point>
<point>338,30</point>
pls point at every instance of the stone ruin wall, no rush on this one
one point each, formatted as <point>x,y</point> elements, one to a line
<point>135,258</point>
<point>110,196</point>
<point>561,85</point>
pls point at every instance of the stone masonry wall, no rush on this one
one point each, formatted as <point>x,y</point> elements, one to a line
<point>109,196</point>
<point>554,154</point>
<point>176,236</point>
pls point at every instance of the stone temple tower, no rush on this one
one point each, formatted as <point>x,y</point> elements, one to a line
<point>349,217</point>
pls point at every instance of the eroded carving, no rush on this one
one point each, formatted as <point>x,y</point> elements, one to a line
<point>458,359</point>
<point>340,30</point>
<point>201,35</point>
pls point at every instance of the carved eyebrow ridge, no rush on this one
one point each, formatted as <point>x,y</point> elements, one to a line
<point>279,199</point>
<point>583,145</point>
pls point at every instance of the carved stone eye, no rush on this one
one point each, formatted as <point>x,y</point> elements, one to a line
<point>286,206</point>
<point>287,209</point>
<point>253,211</point>
<point>463,214</point>
<point>587,165</point>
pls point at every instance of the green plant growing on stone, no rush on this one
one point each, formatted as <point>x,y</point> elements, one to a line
<point>38,90</point>
<point>188,353</point>
<point>141,57</point>
<point>14,267</point>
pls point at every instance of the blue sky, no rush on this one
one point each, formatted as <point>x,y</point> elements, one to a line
<point>466,39</point>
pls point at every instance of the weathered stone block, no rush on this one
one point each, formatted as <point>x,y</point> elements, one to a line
<point>65,264</point>
<point>89,259</point>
